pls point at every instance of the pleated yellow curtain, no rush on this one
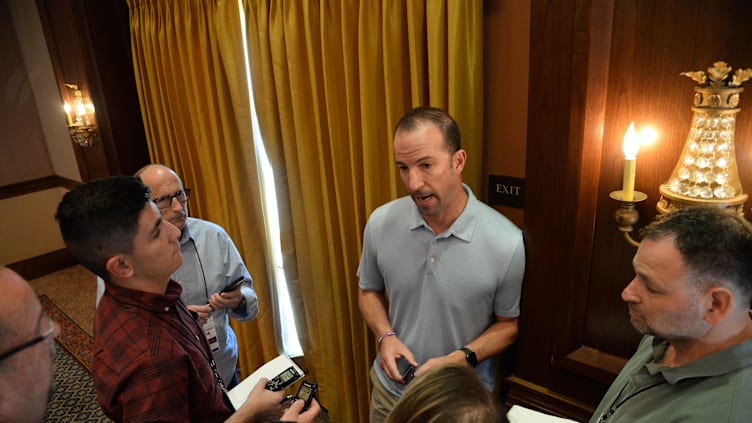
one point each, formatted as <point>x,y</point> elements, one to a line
<point>330,80</point>
<point>192,86</point>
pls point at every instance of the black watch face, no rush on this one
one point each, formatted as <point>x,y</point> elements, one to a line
<point>470,356</point>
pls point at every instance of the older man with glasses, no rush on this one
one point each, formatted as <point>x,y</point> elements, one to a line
<point>26,351</point>
<point>211,263</point>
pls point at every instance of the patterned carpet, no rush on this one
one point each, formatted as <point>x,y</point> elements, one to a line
<point>74,399</point>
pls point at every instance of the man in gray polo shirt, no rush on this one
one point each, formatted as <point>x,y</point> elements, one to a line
<point>690,298</point>
<point>441,272</point>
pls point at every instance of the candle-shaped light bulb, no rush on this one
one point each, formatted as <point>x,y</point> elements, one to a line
<point>80,111</point>
<point>68,117</point>
<point>630,146</point>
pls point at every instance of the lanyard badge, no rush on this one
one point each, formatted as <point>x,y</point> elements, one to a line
<point>211,334</point>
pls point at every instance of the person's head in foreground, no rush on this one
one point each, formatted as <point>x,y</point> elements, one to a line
<point>447,394</point>
<point>26,351</point>
<point>693,278</point>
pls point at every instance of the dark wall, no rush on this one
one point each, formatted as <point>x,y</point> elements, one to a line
<point>21,136</point>
<point>89,43</point>
<point>595,66</point>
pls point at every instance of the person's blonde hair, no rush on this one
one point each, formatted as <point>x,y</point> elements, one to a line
<point>447,394</point>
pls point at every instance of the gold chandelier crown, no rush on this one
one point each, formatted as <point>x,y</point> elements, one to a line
<point>719,88</point>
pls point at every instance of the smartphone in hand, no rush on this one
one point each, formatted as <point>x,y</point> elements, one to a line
<point>233,285</point>
<point>406,370</point>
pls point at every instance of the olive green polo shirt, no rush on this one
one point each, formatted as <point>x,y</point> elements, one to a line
<point>714,388</point>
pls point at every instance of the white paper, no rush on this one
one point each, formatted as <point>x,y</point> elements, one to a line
<point>519,414</point>
<point>269,370</point>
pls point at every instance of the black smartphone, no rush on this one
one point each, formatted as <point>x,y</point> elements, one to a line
<point>306,392</point>
<point>406,370</point>
<point>233,285</point>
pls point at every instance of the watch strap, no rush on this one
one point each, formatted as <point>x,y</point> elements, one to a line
<point>470,356</point>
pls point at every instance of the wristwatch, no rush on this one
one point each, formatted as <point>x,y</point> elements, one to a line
<point>469,356</point>
<point>240,309</point>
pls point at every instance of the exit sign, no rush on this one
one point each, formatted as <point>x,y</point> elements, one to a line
<point>506,190</point>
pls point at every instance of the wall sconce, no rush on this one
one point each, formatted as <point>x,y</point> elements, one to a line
<point>627,216</point>
<point>706,172</point>
<point>82,124</point>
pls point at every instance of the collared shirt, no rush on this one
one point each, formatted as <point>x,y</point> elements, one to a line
<point>151,361</point>
<point>714,388</point>
<point>444,289</point>
<point>210,262</point>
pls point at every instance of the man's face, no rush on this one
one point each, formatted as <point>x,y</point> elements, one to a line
<point>661,300</point>
<point>33,367</point>
<point>162,182</point>
<point>432,175</point>
<point>156,247</point>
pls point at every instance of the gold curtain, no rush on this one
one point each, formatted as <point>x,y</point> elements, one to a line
<point>330,80</point>
<point>191,80</point>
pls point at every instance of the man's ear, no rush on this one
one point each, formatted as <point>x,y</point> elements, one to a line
<point>719,302</point>
<point>119,266</point>
<point>459,158</point>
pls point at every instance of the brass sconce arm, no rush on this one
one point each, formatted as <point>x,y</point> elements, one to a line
<point>626,215</point>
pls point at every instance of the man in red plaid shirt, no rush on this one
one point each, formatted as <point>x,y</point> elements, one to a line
<point>151,360</point>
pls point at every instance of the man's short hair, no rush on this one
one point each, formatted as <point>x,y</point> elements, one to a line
<point>715,243</point>
<point>446,124</point>
<point>99,219</point>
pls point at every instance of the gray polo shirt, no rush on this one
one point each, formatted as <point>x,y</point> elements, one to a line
<point>444,290</point>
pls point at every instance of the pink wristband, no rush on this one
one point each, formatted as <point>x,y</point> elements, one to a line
<point>381,338</point>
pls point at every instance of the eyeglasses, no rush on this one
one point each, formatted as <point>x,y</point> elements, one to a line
<point>166,201</point>
<point>46,334</point>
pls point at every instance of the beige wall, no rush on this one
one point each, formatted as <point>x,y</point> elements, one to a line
<point>32,230</point>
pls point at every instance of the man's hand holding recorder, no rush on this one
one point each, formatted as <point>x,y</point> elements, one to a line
<point>265,405</point>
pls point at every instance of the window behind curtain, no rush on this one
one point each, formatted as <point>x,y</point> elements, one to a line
<point>284,318</point>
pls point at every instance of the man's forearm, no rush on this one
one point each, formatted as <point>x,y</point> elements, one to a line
<point>498,337</point>
<point>372,306</point>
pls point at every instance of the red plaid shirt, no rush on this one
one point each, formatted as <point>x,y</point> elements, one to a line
<point>151,360</point>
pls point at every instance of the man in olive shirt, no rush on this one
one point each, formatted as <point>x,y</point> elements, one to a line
<point>690,298</point>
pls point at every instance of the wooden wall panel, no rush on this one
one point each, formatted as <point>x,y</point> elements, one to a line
<point>651,47</point>
<point>21,135</point>
<point>89,43</point>
<point>595,66</point>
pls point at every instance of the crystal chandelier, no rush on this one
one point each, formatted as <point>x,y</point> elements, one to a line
<point>706,172</point>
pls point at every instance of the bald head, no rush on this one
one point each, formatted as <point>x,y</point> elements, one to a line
<point>17,296</point>
<point>26,374</point>
<point>156,174</point>
<point>164,182</point>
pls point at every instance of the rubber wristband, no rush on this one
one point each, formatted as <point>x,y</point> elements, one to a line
<point>381,338</point>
